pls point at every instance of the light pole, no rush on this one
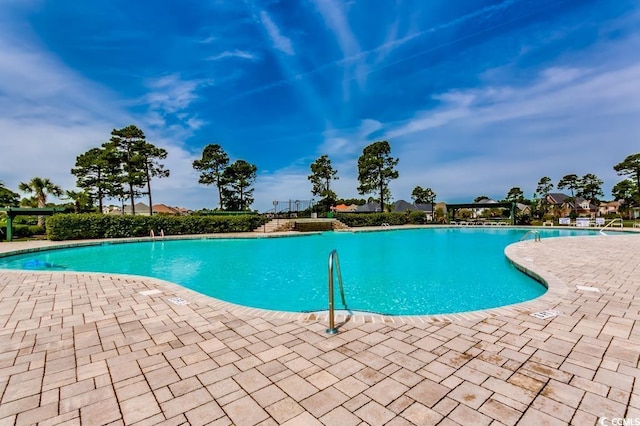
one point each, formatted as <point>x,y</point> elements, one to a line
<point>275,212</point>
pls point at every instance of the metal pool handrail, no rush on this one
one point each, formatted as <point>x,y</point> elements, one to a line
<point>334,255</point>
<point>536,233</point>
<point>616,220</point>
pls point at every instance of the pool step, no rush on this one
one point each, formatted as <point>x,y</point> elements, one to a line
<point>284,225</point>
<point>276,225</point>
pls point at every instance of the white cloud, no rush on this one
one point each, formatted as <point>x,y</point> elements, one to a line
<point>232,54</point>
<point>488,140</point>
<point>170,93</point>
<point>51,114</point>
<point>279,41</point>
<point>346,142</point>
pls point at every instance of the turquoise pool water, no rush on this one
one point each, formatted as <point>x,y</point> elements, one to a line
<point>403,272</point>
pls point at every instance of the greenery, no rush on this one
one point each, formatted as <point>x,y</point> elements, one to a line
<point>423,196</point>
<point>515,195</point>
<point>351,201</point>
<point>376,168</point>
<point>91,226</point>
<point>81,201</point>
<point>234,181</point>
<point>630,167</point>
<point>322,173</point>
<point>373,219</point>
<point>238,179</point>
<point>211,166</point>
<point>97,173</point>
<point>138,162</point>
<point>626,191</point>
<point>542,191</point>
<point>590,188</point>
<point>121,168</point>
<point>21,231</point>
<point>40,187</point>
<point>8,197</point>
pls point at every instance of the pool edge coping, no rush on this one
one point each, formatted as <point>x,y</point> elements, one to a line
<point>556,288</point>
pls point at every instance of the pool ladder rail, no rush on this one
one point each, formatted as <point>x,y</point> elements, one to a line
<point>333,257</point>
<point>536,235</point>
<point>616,221</point>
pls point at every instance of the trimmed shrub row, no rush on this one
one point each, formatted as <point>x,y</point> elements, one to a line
<point>21,231</point>
<point>91,225</point>
<point>377,219</point>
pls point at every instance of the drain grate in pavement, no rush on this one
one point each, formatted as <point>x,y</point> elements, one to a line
<point>545,314</point>
<point>178,301</point>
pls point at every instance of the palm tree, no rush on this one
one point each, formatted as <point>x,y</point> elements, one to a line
<point>81,200</point>
<point>40,187</point>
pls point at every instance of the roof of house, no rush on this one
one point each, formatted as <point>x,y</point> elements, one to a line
<point>140,208</point>
<point>403,206</point>
<point>369,208</point>
<point>557,197</point>
<point>163,208</point>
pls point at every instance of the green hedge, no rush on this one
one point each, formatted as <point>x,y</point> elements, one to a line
<point>372,219</point>
<point>91,225</point>
<point>21,231</point>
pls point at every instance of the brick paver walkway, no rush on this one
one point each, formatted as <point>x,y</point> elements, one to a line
<point>99,349</point>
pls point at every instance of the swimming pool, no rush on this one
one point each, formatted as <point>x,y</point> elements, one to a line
<point>397,272</point>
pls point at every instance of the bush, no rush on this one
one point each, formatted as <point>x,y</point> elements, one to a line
<point>21,231</point>
<point>371,219</point>
<point>25,220</point>
<point>91,225</point>
<point>36,230</point>
<point>417,218</point>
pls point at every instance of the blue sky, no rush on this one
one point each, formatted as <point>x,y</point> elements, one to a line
<point>474,96</point>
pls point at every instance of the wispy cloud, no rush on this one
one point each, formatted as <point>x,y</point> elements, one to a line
<point>232,54</point>
<point>360,56</point>
<point>341,143</point>
<point>280,42</point>
<point>335,18</point>
<point>567,121</point>
<point>171,93</point>
<point>53,114</point>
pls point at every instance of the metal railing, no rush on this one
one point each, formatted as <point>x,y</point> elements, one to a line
<point>334,255</point>
<point>611,223</point>
<point>532,232</point>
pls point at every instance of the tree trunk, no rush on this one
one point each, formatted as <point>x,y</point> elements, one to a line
<point>149,191</point>
<point>133,206</point>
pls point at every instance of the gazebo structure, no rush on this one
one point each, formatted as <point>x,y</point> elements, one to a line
<point>12,212</point>
<point>452,208</point>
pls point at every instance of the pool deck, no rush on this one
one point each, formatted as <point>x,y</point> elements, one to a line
<point>80,348</point>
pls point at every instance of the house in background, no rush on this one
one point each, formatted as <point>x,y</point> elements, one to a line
<point>111,210</point>
<point>140,208</point>
<point>345,208</point>
<point>403,206</point>
<point>612,207</point>
<point>143,209</point>
<point>371,207</point>
<point>164,209</point>
<point>583,208</point>
<point>562,205</point>
<point>523,209</point>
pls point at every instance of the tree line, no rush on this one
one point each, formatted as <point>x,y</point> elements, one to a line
<point>123,168</point>
<point>376,168</point>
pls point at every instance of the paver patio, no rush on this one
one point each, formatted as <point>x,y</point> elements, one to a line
<point>91,349</point>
